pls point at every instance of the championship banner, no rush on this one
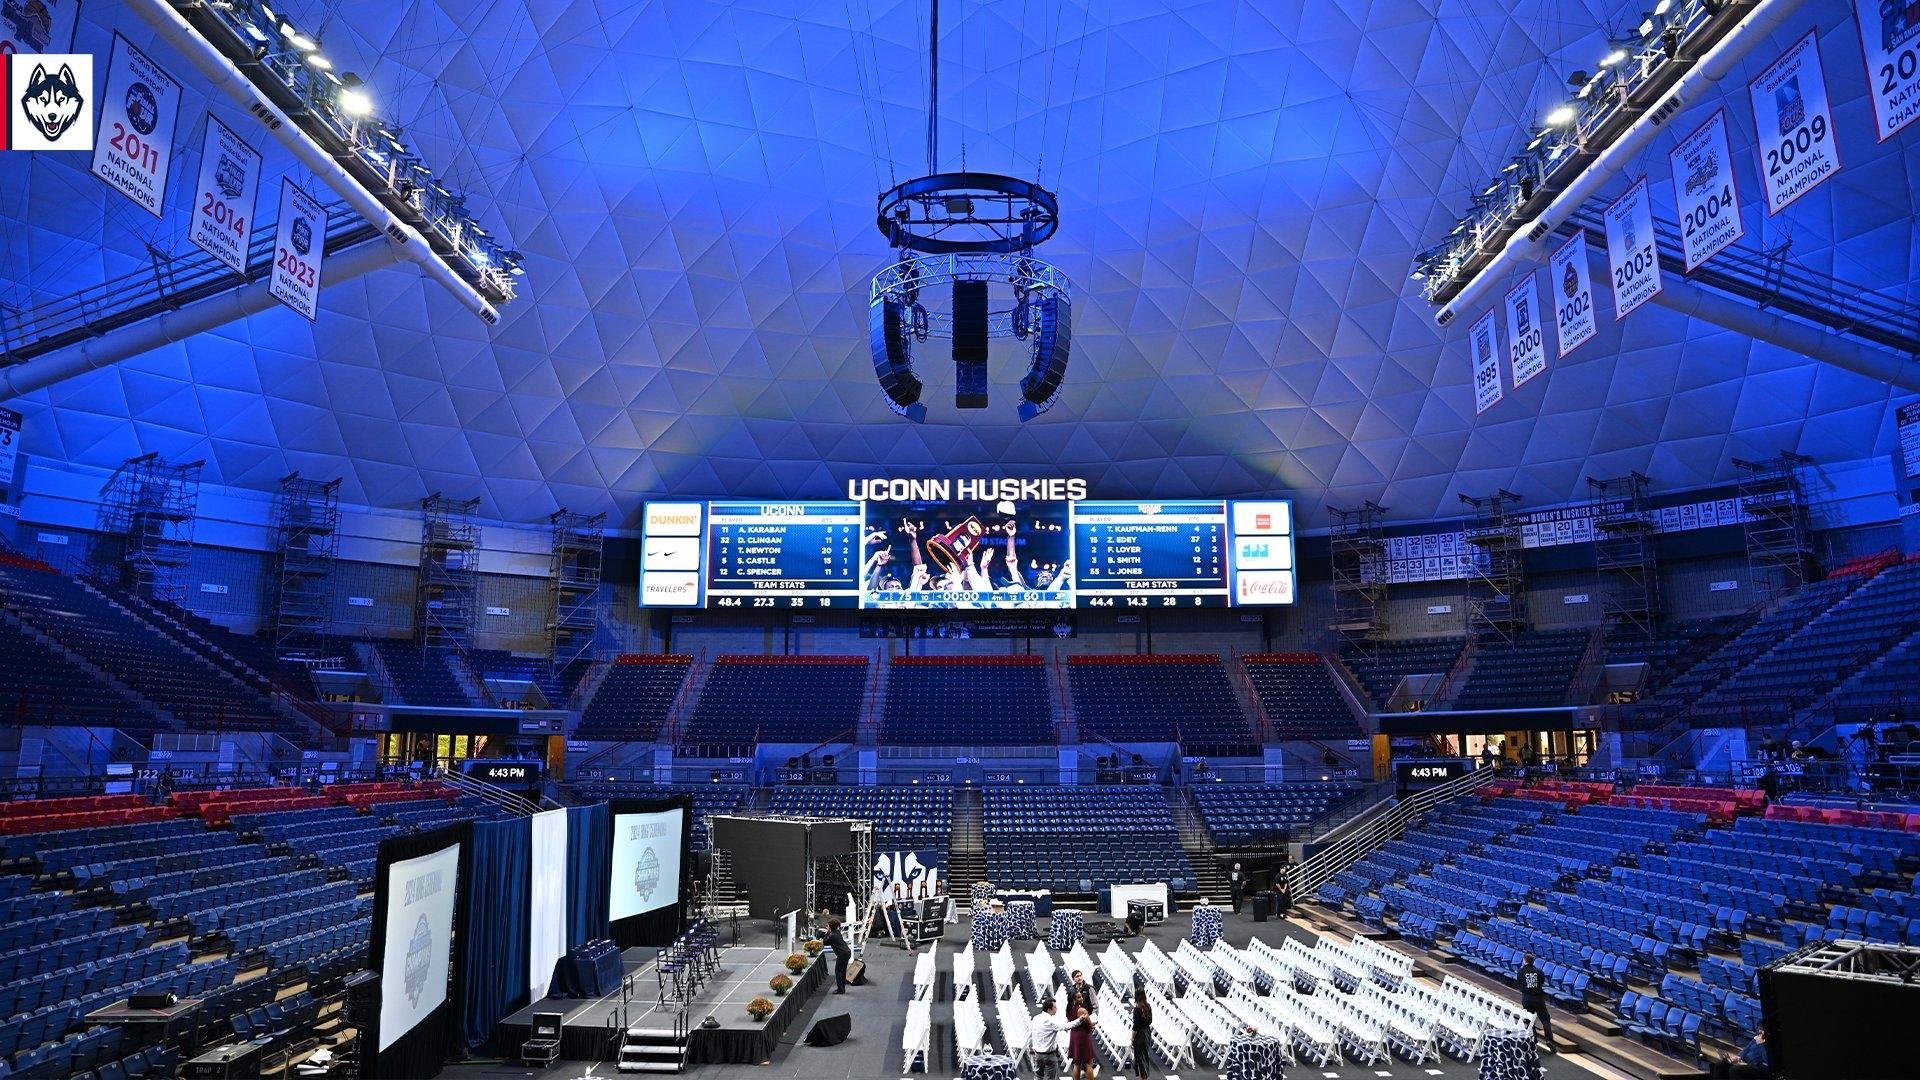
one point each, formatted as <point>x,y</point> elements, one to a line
<point>1486,365</point>
<point>223,202</point>
<point>38,26</point>
<point>1572,279</point>
<point>907,869</point>
<point>1631,256</point>
<point>297,245</point>
<point>1526,342</point>
<point>9,445</point>
<point>133,149</point>
<point>1703,191</point>
<point>1890,40</point>
<point>49,101</point>
<point>1793,125</point>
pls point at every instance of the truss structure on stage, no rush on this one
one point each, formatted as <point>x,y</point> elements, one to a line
<point>1866,961</point>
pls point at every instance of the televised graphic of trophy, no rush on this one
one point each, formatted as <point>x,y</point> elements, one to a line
<point>949,550</point>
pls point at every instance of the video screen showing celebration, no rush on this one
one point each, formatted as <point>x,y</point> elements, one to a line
<point>960,554</point>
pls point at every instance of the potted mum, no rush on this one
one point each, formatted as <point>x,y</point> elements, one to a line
<point>781,984</point>
<point>759,1008</point>
<point>796,963</point>
<point>814,948</point>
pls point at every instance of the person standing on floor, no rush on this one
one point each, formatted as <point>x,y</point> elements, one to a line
<point>1080,1045</point>
<point>842,952</point>
<point>1043,1041</point>
<point>1533,997</point>
<point>1237,883</point>
<point>1142,1032</point>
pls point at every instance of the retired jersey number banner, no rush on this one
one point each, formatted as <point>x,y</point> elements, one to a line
<point>1890,40</point>
<point>1793,125</point>
<point>1486,365</point>
<point>1572,289</point>
<point>223,202</point>
<point>49,101</point>
<point>134,147</point>
<point>1526,340</point>
<point>296,251</point>
<point>1631,256</point>
<point>1703,192</point>
<point>9,445</point>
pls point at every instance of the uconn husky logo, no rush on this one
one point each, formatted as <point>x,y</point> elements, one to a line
<point>52,100</point>
<point>419,963</point>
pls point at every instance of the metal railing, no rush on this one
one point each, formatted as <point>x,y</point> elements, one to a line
<point>1369,832</point>
<point>498,797</point>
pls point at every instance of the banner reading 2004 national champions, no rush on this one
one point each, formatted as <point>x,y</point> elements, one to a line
<point>1793,124</point>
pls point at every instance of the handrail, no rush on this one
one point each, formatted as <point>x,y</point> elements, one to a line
<point>1338,672</point>
<point>498,797</point>
<point>1306,877</point>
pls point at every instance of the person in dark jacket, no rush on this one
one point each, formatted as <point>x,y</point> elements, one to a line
<point>1533,997</point>
<point>1080,991</point>
<point>1142,1033</point>
<point>1237,885</point>
<point>1080,1044</point>
<point>842,952</point>
<point>1752,1064</point>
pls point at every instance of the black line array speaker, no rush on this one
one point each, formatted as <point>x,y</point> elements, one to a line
<point>970,344</point>
<point>893,359</point>
<point>1052,348</point>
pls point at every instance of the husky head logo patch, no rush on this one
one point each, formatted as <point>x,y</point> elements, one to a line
<point>52,101</point>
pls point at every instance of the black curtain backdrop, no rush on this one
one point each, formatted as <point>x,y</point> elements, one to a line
<point>494,907</point>
<point>420,1053</point>
<point>662,926</point>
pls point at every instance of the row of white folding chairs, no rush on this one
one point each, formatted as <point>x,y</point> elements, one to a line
<point>1302,1026</point>
<point>1005,985</point>
<point>1362,1035</point>
<point>1249,1010</point>
<point>1196,966</point>
<point>1233,964</point>
<point>1394,965</point>
<point>1269,960</point>
<point>1348,968</point>
<point>1210,1028</point>
<point>916,1038</point>
<point>1508,1016</point>
<point>969,1028</point>
<point>1155,968</point>
<point>963,972</point>
<point>1172,1030</point>
<point>1077,959</point>
<point>1113,1026</point>
<point>1117,966</point>
<point>1412,1028</point>
<point>1013,1028</point>
<point>1309,968</point>
<point>1463,1021</point>
<point>925,970</point>
<point>1041,971</point>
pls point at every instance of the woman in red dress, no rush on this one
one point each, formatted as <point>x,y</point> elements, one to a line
<point>1080,1046</point>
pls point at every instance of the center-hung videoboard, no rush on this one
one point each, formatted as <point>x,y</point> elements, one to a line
<point>943,545</point>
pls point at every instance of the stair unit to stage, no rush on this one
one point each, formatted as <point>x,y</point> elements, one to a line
<point>653,1049</point>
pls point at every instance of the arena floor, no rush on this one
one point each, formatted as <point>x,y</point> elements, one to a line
<point>879,1011</point>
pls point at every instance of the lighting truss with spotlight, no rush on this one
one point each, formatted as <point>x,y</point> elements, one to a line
<point>968,236</point>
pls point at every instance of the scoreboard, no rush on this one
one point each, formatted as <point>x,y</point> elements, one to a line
<point>1136,554</point>
<point>972,554</point>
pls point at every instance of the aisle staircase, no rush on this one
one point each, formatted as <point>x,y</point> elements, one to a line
<point>1210,880</point>
<point>967,855</point>
<point>655,1049</point>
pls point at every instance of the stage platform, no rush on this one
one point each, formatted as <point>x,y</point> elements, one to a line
<point>594,1028</point>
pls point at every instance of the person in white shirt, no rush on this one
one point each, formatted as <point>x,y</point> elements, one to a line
<point>1043,1041</point>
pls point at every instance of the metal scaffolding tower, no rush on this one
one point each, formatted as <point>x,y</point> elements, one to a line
<point>1623,552</point>
<point>1497,580</point>
<point>150,503</point>
<point>573,585</point>
<point>1773,502</point>
<point>1359,549</point>
<point>306,521</point>
<point>449,573</point>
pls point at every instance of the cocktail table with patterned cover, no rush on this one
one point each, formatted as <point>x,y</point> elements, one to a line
<point>1253,1057</point>
<point>989,1067</point>
<point>1509,1057</point>
<point>1063,930</point>
<point>1206,925</point>
<point>1020,926</point>
<point>982,896</point>
<point>989,931</point>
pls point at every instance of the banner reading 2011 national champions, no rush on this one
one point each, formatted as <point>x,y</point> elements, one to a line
<point>134,150</point>
<point>1890,41</point>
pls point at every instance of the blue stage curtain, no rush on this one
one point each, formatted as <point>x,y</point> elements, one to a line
<point>496,924</point>
<point>589,855</point>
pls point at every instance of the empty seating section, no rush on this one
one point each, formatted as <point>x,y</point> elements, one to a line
<point>1381,669</point>
<point>1798,608</point>
<point>90,811</point>
<point>1886,681</point>
<point>1300,697</point>
<point>1243,816</point>
<point>1674,648</point>
<point>968,701</point>
<point>257,888</point>
<point>1157,697</point>
<point>1657,905</point>
<point>634,698</point>
<point>39,684</point>
<point>1052,838</point>
<point>420,676</point>
<point>1808,662</point>
<point>750,699</point>
<point>130,651</point>
<point>538,670</point>
<point>708,799</point>
<point>904,818</point>
<point>1532,669</point>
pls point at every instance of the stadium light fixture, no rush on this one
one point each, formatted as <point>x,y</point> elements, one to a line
<point>353,96</point>
<point>297,39</point>
<point>1613,57</point>
<point>1561,115</point>
<point>320,63</point>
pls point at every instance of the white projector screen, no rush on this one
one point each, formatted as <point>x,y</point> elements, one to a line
<point>419,935</point>
<point>646,863</point>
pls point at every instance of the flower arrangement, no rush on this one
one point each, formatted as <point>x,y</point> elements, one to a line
<point>759,1008</point>
<point>813,948</point>
<point>781,984</point>
<point>796,963</point>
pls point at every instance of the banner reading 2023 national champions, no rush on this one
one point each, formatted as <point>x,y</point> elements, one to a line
<point>1890,41</point>
<point>1793,124</point>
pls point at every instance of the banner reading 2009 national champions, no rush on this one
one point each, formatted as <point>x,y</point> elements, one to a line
<point>1793,124</point>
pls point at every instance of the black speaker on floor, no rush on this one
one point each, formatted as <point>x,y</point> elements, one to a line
<point>893,359</point>
<point>970,344</point>
<point>1052,320</point>
<point>830,1032</point>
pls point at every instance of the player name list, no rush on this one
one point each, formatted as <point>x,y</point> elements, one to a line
<point>1132,549</point>
<point>771,548</point>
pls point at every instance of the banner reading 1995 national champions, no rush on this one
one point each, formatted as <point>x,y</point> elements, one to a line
<point>1890,41</point>
<point>1486,365</point>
